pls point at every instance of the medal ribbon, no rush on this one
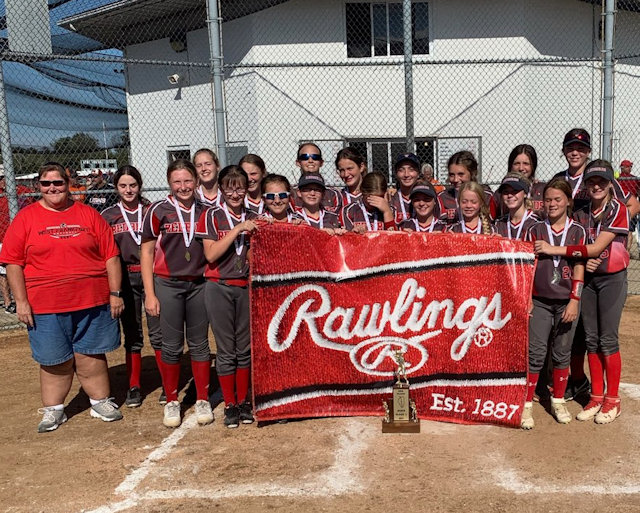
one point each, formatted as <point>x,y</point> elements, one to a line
<point>570,180</point>
<point>366,218</point>
<point>183,227</point>
<point>567,223</point>
<point>239,244</point>
<point>206,200</point>
<point>247,205</point>
<point>429,229</point>
<point>524,218</point>
<point>306,217</point>
<point>136,236</point>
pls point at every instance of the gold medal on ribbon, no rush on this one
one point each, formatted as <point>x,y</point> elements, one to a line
<point>187,256</point>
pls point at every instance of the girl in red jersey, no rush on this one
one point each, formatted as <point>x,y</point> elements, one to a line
<point>352,168</point>
<point>474,212</point>
<point>557,285</point>
<point>311,191</point>
<point>225,233</point>
<point>423,207</point>
<point>256,170</point>
<point>407,171</point>
<point>207,165</point>
<point>514,192</point>
<point>463,168</point>
<point>172,262</point>
<point>276,193</point>
<point>606,221</point>
<point>125,219</point>
<point>372,211</point>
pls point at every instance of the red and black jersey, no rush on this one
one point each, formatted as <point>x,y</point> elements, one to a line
<point>209,201</point>
<point>402,206</point>
<point>544,283</point>
<point>449,207</point>
<point>518,230</point>
<point>346,198</point>
<point>356,214</point>
<point>581,197</point>
<point>613,218</point>
<point>331,200</point>
<point>233,265</point>
<point>257,208</point>
<point>129,248</point>
<point>323,219</point>
<point>413,225</point>
<point>462,227</point>
<point>172,258</point>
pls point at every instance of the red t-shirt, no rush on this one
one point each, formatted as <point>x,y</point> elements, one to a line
<point>63,255</point>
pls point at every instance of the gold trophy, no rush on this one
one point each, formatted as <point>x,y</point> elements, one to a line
<point>400,413</point>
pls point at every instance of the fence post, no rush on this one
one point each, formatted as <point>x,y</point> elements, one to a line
<point>607,69</point>
<point>408,74</point>
<point>214,25</point>
<point>5,148</point>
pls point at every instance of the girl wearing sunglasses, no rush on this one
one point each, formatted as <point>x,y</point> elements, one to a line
<point>309,161</point>
<point>352,168</point>
<point>225,232</point>
<point>371,212</point>
<point>125,219</point>
<point>256,170</point>
<point>276,193</point>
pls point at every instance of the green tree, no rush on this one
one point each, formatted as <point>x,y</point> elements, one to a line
<point>77,143</point>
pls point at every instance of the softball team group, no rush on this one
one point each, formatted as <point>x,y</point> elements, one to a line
<point>185,258</point>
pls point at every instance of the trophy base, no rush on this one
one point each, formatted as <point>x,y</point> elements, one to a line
<point>399,426</point>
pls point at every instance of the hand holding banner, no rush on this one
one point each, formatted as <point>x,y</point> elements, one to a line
<point>328,312</point>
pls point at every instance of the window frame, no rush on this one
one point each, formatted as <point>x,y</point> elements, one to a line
<point>388,56</point>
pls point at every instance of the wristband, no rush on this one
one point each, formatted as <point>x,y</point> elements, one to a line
<point>576,289</point>
<point>390,225</point>
<point>577,252</point>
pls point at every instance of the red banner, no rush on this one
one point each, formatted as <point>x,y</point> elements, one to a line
<point>327,313</point>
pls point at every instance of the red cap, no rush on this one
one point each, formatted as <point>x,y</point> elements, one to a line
<point>626,163</point>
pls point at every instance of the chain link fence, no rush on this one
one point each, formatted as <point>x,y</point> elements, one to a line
<point>135,82</point>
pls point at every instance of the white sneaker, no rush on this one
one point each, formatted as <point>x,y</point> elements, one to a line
<point>527,417</point>
<point>609,412</point>
<point>559,410</point>
<point>591,409</point>
<point>172,414</point>
<point>204,412</point>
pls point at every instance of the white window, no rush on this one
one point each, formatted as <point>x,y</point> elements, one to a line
<point>375,29</point>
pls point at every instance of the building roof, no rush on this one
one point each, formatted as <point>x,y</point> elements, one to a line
<point>126,22</point>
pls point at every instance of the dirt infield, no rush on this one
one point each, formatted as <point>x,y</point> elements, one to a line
<point>318,465</point>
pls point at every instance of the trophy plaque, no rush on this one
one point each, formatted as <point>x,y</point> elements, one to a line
<point>400,413</point>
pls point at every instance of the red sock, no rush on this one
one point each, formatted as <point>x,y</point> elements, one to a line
<point>577,368</point>
<point>242,383</point>
<point>170,379</point>
<point>613,367</point>
<point>531,385</point>
<point>134,361</point>
<point>159,362</point>
<point>201,372</point>
<point>596,369</point>
<point>228,386</point>
<point>560,377</point>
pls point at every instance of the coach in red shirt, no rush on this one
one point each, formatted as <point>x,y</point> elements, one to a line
<point>64,271</point>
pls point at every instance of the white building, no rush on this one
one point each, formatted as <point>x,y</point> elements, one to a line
<point>488,75</point>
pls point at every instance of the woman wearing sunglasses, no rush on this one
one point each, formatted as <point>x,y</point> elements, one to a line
<point>172,263</point>
<point>54,248</point>
<point>309,161</point>
<point>276,193</point>
<point>225,233</point>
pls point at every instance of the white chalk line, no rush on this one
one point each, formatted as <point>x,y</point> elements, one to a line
<point>511,480</point>
<point>341,478</point>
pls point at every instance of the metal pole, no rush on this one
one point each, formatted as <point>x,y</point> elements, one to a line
<point>408,74</point>
<point>7,154</point>
<point>607,68</point>
<point>214,24</point>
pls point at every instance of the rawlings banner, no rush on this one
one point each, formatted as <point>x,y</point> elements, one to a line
<point>327,312</point>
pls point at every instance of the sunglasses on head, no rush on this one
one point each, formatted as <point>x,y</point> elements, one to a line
<point>312,156</point>
<point>270,196</point>
<point>47,183</point>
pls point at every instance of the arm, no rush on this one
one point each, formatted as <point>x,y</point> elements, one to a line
<point>572,310</point>
<point>633,206</point>
<point>114,275</point>
<point>151,303</point>
<point>588,251</point>
<point>15,275</point>
<point>215,249</point>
